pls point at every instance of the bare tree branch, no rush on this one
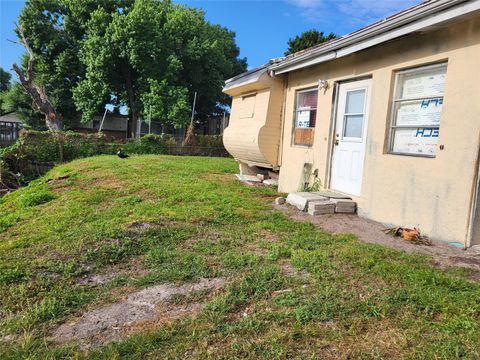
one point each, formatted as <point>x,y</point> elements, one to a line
<point>53,119</point>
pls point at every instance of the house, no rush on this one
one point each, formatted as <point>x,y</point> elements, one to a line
<point>10,126</point>
<point>388,114</point>
<point>114,126</point>
<point>212,125</point>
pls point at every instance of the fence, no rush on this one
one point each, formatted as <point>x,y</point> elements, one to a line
<point>9,132</point>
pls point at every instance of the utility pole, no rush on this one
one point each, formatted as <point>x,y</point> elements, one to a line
<point>150,120</point>
<point>103,119</point>
<point>193,108</point>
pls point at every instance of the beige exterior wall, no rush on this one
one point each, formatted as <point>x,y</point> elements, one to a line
<point>256,140</point>
<point>432,193</point>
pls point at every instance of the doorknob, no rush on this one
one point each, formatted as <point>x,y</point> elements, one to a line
<point>336,142</point>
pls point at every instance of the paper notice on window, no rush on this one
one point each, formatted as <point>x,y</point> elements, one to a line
<point>424,84</point>
<point>421,141</point>
<point>420,113</point>
<point>303,119</point>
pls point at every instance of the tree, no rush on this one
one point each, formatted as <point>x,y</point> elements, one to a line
<point>5,78</point>
<point>54,30</point>
<point>16,99</point>
<point>307,39</point>
<point>4,86</point>
<point>156,61</point>
<point>152,56</point>
<point>53,119</point>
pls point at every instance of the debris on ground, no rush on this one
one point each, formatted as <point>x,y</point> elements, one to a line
<point>57,179</point>
<point>407,234</point>
<point>266,178</point>
<point>94,279</point>
<point>444,254</point>
<point>280,200</point>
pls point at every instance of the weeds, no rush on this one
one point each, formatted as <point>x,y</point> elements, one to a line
<point>359,300</point>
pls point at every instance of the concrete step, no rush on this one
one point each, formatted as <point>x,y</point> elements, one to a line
<point>321,203</point>
<point>321,207</point>
<point>301,199</point>
<point>345,206</point>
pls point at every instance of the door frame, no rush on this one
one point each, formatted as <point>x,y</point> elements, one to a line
<point>333,125</point>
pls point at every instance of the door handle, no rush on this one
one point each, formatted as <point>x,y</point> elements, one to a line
<point>336,142</point>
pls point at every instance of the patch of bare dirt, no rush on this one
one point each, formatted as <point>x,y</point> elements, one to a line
<point>370,231</point>
<point>139,225</point>
<point>133,269</point>
<point>95,279</point>
<point>58,180</point>
<point>290,271</point>
<point>114,321</point>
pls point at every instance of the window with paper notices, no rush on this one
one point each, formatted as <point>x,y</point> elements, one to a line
<point>305,116</point>
<point>417,110</point>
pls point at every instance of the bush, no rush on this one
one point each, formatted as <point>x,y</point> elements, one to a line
<point>151,144</point>
<point>35,152</point>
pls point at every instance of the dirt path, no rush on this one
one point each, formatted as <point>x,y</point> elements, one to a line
<point>370,231</point>
<point>112,322</point>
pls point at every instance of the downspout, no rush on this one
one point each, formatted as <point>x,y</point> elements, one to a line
<point>331,135</point>
<point>473,200</point>
<point>282,128</point>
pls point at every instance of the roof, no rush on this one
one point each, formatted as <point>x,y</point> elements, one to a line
<point>249,76</point>
<point>413,19</point>
<point>10,116</point>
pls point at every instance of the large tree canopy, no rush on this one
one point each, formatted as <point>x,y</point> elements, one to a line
<point>307,39</point>
<point>149,55</point>
<point>153,56</point>
<point>54,30</point>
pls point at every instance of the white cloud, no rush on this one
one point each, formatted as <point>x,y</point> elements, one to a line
<point>353,13</point>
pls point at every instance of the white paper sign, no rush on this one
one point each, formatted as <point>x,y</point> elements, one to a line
<point>303,119</point>
<point>426,84</point>
<point>420,113</point>
<point>416,141</point>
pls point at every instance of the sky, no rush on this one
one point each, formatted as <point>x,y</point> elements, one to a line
<point>263,27</point>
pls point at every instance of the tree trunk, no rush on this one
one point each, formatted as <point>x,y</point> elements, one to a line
<point>53,119</point>
<point>127,73</point>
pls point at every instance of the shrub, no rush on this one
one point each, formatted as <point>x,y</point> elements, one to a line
<point>35,152</point>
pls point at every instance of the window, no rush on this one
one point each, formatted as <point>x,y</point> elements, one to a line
<point>354,114</point>
<point>417,110</point>
<point>247,105</point>
<point>305,116</point>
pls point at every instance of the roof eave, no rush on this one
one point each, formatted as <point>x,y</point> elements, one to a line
<point>415,20</point>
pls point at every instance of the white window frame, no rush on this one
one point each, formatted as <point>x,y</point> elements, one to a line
<point>345,114</point>
<point>310,109</point>
<point>396,100</point>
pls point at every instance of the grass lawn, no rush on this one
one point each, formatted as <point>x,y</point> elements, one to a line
<point>340,298</point>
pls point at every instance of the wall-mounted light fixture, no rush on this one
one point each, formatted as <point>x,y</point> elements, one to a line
<point>323,84</point>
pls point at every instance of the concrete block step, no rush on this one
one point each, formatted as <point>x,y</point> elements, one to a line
<point>301,199</point>
<point>344,206</point>
<point>321,207</point>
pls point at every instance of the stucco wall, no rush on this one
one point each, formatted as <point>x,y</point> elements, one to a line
<point>432,193</point>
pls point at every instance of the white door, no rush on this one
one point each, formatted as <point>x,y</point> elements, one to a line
<point>350,137</point>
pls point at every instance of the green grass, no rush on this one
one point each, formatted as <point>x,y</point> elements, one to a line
<point>348,300</point>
